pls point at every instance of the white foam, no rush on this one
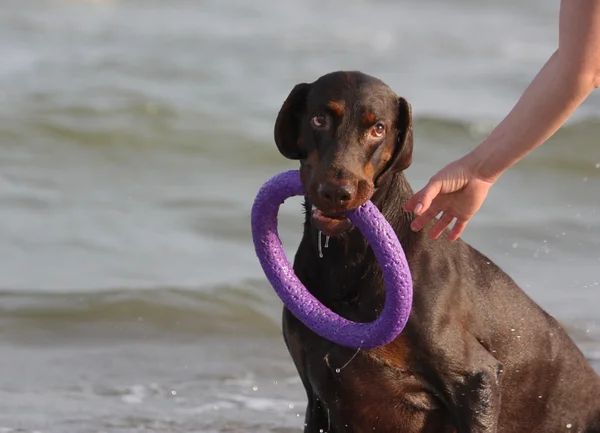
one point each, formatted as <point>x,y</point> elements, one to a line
<point>135,395</point>
<point>261,404</point>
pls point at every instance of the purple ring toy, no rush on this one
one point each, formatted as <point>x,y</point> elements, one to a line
<point>305,306</point>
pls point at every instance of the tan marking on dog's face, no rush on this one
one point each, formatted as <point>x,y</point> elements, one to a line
<point>337,107</point>
<point>368,119</point>
<point>369,171</point>
<point>386,156</point>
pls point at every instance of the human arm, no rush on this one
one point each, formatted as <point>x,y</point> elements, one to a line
<point>565,81</point>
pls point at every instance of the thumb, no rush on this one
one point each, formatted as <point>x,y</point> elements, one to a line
<point>421,201</point>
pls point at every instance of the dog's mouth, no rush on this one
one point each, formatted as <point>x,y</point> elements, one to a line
<point>330,223</point>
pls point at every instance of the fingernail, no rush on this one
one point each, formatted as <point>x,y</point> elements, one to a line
<point>418,208</point>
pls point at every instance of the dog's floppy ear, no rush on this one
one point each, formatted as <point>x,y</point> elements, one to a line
<point>404,142</point>
<point>287,125</point>
<point>402,154</point>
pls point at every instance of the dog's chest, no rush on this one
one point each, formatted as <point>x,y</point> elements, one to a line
<point>374,390</point>
<point>355,294</point>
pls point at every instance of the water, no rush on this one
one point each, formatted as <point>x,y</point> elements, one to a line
<point>134,137</point>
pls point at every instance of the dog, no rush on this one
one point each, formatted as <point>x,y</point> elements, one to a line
<point>476,355</point>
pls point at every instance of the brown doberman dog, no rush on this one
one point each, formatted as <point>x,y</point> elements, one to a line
<point>477,354</point>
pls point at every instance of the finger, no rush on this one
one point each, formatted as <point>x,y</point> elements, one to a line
<point>412,202</point>
<point>424,219</point>
<point>439,227</point>
<point>458,228</point>
<point>421,201</point>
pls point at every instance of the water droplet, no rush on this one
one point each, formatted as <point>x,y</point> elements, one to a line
<point>255,388</point>
<point>291,405</point>
<point>320,248</point>
<point>337,370</point>
<point>598,165</point>
<point>569,425</point>
<point>515,245</point>
<point>173,392</point>
<point>326,241</point>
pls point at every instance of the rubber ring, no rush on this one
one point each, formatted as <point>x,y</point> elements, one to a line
<point>301,303</point>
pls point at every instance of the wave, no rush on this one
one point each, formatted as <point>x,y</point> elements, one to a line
<point>248,309</point>
<point>145,123</point>
<point>70,123</point>
<point>572,149</point>
<point>251,306</point>
<point>583,125</point>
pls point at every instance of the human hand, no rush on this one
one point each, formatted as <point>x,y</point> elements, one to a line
<point>456,191</point>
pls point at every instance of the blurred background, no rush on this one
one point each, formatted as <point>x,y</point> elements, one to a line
<point>134,135</point>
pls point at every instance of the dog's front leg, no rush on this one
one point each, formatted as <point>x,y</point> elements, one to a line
<point>471,387</point>
<point>316,420</point>
<point>477,400</point>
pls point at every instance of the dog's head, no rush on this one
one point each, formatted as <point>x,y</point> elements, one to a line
<point>349,131</point>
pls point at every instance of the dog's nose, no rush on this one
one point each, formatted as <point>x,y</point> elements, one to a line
<point>336,194</point>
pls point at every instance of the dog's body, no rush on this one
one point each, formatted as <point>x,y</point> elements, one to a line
<point>477,354</point>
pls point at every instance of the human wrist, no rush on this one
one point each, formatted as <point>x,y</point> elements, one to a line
<point>482,163</point>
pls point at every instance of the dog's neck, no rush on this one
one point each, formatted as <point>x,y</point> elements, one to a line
<point>348,259</point>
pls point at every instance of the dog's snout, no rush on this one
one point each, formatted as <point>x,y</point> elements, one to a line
<point>335,194</point>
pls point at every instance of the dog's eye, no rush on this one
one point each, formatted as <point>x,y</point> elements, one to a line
<point>378,130</point>
<point>319,121</point>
